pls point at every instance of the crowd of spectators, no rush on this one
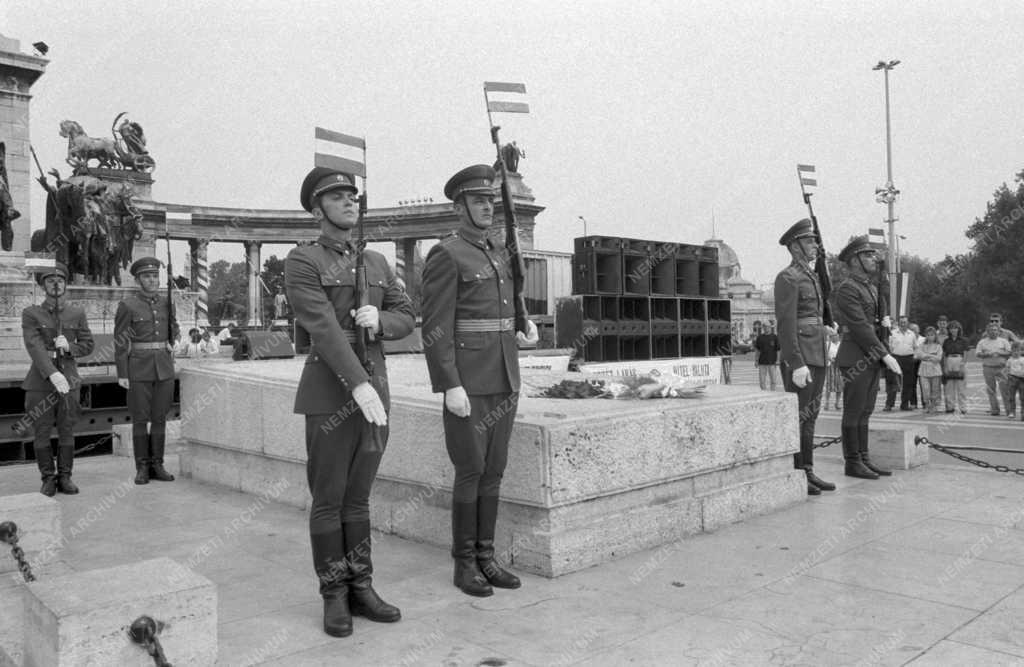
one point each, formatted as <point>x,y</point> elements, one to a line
<point>933,366</point>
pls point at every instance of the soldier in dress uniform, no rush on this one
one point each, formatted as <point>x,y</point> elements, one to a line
<point>55,332</point>
<point>803,339</point>
<point>468,309</point>
<point>144,333</point>
<point>861,354</point>
<point>345,402</point>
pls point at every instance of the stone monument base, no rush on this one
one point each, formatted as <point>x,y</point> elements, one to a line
<point>587,480</point>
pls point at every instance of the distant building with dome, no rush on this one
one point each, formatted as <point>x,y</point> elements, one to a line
<point>752,307</point>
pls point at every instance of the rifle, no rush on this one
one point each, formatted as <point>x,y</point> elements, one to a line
<point>820,263</point>
<point>364,335</point>
<point>170,284</point>
<point>512,239</point>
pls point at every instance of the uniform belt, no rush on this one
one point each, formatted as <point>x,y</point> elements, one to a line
<point>814,319</point>
<point>483,325</point>
<point>149,346</point>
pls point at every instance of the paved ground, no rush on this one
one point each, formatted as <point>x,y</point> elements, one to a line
<point>926,568</point>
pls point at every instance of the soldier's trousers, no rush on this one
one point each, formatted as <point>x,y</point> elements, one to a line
<point>46,409</point>
<point>342,457</point>
<point>860,389</point>
<point>150,402</point>
<point>478,445</point>
<point>808,400</point>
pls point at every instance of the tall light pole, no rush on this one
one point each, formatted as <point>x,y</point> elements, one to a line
<point>888,193</point>
<point>584,221</point>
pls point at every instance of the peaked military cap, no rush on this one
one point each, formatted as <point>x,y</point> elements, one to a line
<point>144,265</point>
<point>323,179</point>
<point>478,178</point>
<point>855,247</point>
<point>801,229</point>
<point>58,269</point>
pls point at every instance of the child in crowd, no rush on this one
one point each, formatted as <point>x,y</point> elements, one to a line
<point>1015,380</point>
<point>833,378</point>
<point>929,354</point>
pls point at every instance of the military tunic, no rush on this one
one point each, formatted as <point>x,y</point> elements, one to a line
<point>143,355</point>
<point>344,449</point>
<point>859,358</point>
<point>803,341</point>
<point>468,313</point>
<point>44,407</point>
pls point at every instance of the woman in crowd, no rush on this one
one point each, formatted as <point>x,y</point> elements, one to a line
<point>954,350</point>
<point>929,354</point>
<point>833,378</point>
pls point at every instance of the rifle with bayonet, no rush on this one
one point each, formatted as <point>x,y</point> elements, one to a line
<point>170,285</point>
<point>515,257</point>
<point>820,263</point>
<point>364,335</point>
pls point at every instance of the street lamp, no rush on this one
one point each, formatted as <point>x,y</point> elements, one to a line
<point>584,221</point>
<point>888,193</point>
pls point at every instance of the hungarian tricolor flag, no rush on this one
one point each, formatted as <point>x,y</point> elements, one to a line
<point>343,152</point>
<point>506,97</point>
<point>803,169</point>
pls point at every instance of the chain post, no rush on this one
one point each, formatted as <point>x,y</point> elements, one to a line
<point>144,631</point>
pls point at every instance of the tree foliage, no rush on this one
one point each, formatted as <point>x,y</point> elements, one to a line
<point>228,293</point>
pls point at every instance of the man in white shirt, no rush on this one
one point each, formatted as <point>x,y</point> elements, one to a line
<point>902,346</point>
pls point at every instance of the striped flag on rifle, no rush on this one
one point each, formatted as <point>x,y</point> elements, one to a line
<point>343,152</point>
<point>876,237</point>
<point>806,180</point>
<point>506,97</point>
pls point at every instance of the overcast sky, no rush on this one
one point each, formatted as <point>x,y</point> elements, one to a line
<point>645,116</point>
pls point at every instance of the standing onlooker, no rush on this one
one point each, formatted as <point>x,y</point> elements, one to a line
<point>766,358</point>
<point>833,378</point>
<point>929,354</point>
<point>902,346</point>
<point>954,348</point>
<point>994,350</point>
<point>942,329</point>
<point>1015,381</point>
<point>997,319</point>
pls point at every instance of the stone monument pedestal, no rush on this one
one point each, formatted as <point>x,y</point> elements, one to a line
<point>587,480</point>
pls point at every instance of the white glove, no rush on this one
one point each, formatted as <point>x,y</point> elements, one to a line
<point>61,343</point>
<point>368,400</point>
<point>801,376</point>
<point>60,382</point>
<point>887,322</point>
<point>531,336</point>
<point>892,364</point>
<point>123,383</point>
<point>457,402</point>
<point>367,317</point>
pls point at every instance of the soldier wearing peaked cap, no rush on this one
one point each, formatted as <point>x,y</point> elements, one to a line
<point>861,353</point>
<point>468,309</point>
<point>55,333</point>
<point>144,354</point>
<point>344,402</point>
<point>803,339</point>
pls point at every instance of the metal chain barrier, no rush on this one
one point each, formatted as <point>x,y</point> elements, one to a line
<point>144,631</point>
<point>828,442</point>
<point>9,535</point>
<point>949,451</point>
<point>91,446</point>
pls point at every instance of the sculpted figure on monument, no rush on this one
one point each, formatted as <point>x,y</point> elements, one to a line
<point>90,227</point>
<point>8,213</point>
<point>126,150</point>
<point>510,154</point>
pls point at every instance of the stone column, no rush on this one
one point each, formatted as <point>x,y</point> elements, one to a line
<point>18,71</point>
<point>252,257</point>
<point>405,262</point>
<point>201,279</point>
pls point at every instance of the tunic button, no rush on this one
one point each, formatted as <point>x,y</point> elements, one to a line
<point>505,301</point>
<point>478,275</point>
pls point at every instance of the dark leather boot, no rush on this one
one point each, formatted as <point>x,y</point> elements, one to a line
<point>467,577</point>
<point>813,490</point>
<point>862,442</point>
<point>156,458</point>
<point>65,461</point>
<point>486,518</point>
<point>332,571</point>
<point>44,459</point>
<point>140,449</point>
<point>362,599</point>
<point>851,453</point>
<point>814,480</point>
